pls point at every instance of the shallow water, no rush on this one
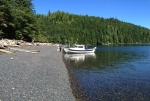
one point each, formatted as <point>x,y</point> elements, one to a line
<point>112,73</point>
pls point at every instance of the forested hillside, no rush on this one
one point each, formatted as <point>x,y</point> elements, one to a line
<point>62,27</point>
<point>18,20</point>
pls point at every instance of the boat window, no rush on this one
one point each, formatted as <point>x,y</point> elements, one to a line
<point>80,46</point>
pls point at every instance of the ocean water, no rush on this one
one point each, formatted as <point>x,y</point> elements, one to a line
<point>112,73</point>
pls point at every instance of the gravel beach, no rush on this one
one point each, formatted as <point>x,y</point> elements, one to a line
<point>34,77</point>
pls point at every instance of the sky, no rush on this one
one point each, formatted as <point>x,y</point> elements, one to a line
<point>132,11</point>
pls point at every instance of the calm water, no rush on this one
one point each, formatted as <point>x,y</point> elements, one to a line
<point>113,73</point>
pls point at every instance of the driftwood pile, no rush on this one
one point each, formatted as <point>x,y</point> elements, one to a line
<point>7,43</point>
<point>12,44</point>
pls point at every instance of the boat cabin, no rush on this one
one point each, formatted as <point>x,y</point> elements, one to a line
<point>78,47</point>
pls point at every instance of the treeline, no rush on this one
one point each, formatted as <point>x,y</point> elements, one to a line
<point>62,27</point>
<point>19,21</point>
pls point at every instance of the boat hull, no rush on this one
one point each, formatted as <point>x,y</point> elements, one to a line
<point>68,50</point>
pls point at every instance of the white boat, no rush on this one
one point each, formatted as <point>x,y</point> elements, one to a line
<point>79,49</point>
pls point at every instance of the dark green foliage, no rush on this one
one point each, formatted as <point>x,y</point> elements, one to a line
<point>6,20</point>
<point>19,21</point>
<point>61,27</point>
<point>19,17</point>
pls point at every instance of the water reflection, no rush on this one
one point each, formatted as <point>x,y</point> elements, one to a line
<point>79,57</point>
<point>113,73</point>
<point>101,61</point>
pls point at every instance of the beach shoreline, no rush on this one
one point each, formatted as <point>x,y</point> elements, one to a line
<point>37,77</point>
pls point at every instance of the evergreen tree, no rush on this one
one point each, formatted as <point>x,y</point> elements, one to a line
<point>19,19</point>
<point>24,19</point>
<point>6,20</point>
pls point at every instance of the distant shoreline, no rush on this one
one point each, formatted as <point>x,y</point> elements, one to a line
<point>107,44</point>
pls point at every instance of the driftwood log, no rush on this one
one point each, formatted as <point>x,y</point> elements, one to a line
<point>25,50</point>
<point>5,51</point>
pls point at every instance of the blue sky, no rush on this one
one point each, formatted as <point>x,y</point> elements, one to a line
<point>132,11</point>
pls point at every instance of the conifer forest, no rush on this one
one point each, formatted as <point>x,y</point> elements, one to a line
<point>18,20</point>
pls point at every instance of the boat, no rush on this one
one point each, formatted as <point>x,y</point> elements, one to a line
<point>79,49</point>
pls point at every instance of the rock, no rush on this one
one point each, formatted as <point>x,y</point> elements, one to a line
<point>2,47</point>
